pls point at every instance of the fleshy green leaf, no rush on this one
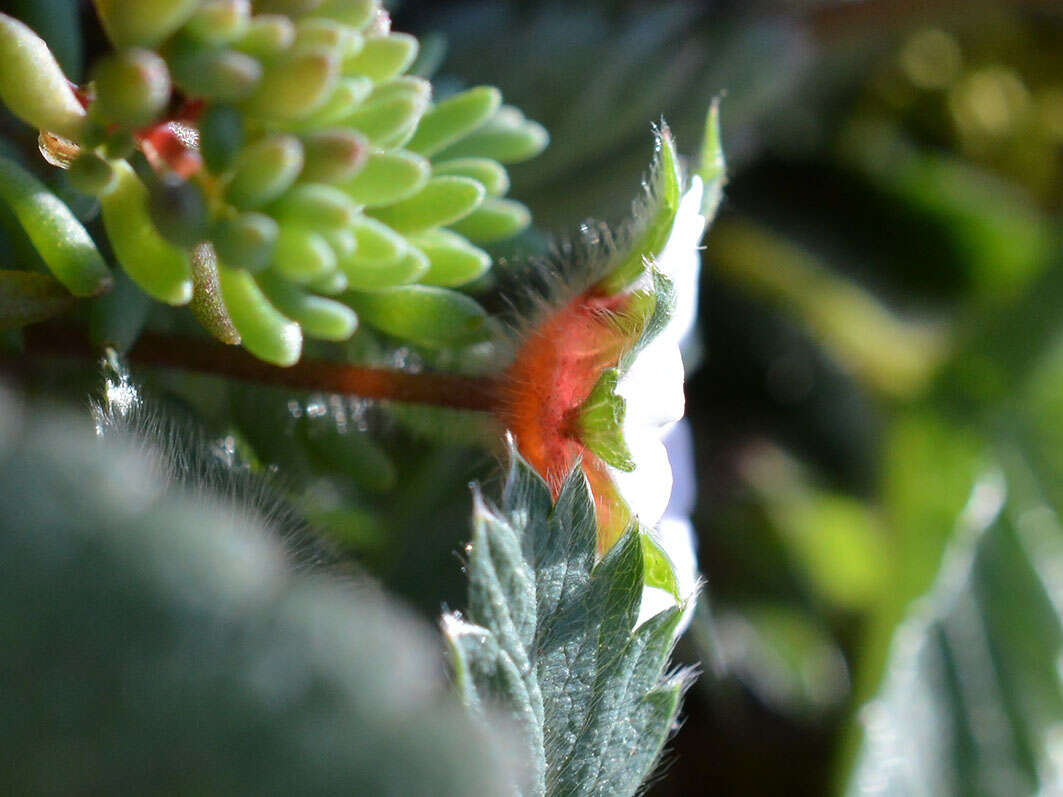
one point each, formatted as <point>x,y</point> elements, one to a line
<point>388,177</point>
<point>507,137</point>
<point>453,118</point>
<point>27,297</point>
<point>143,22</point>
<point>494,220</point>
<point>60,239</point>
<point>430,316</point>
<point>383,57</point>
<point>488,173</point>
<point>319,317</point>
<point>263,330</point>
<point>452,259</point>
<point>550,639</point>
<point>442,201</point>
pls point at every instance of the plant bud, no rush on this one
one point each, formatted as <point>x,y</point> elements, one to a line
<point>266,37</point>
<point>90,173</point>
<point>33,86</point>
<point>488,173</point>
<point>296,87</point>
<point>246,241</point>
<point>333,156</point>
<point>303,255</point>
<point>319,317</point>
<point>146,23</point>
<point>132,87</point>
<point>160,268</point>
<point>452,260</point>
<point>264,171</point>
<point>218,22</point>
<point>221,136</point>
<point>221,75</point>
<point>430,316</point>
<point>383,57</point>
<point>316,206</point>
<point>263,330</point>
<point>442,201</point>
<point>178,210</point>
<point>494,220</point>
<point>62,242</point>
<point>454,118</point>
<point>388,177</point>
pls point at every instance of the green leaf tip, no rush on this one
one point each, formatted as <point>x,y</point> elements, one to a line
<point>712,166</point>
<point>550,639</point>
<point>652,234</point>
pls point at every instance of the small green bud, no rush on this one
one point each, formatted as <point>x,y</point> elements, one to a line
<point>32,84</point>
<point>90,173</point>
<point>218,22</point>
<point>494,220</point>
<point>316,206</point>
<point>248,240</point>
<point>132,86</point>
<point>454,118</point>
<point>356,13</point>
<point>221,75</point>
<point>303,255</point>
<point>160,268</point>
<point>221,136</point>
<point>442,201</point>
<point>119,144</point>
<point>266,37</point>
<point>263,330</point>
<point>264,171</point>
<point>426,315</point>
<point>297,86</point>
<point>320,318</point>
<point>388,177</point>
<point>178,210</point>
<point>452,260</point>
<point>383,57</point>
<point>488,173</point>
<point>333,156</point>
<point>62,242</point>
<point>507,137</point>
<point>144,23</point>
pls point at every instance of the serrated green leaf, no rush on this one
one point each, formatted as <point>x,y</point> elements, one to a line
<point>550,639</point>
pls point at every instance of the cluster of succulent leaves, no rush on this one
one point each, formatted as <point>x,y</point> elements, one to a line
<point>278,169</point>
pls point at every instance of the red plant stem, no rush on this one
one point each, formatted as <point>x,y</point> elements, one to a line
<point>191,354</point>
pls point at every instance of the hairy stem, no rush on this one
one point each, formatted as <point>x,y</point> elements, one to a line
<point>204,356</point>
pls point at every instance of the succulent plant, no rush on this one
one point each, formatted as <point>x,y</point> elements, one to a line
<point>274,167</point>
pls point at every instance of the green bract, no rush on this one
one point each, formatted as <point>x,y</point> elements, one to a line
<point>293,159</point>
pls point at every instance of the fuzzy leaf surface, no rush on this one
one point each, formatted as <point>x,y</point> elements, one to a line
<point>549,639</point>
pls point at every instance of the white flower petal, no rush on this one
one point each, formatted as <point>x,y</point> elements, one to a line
<point>653,386</point>
<point>680,261</point>
<point>647,488</point>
